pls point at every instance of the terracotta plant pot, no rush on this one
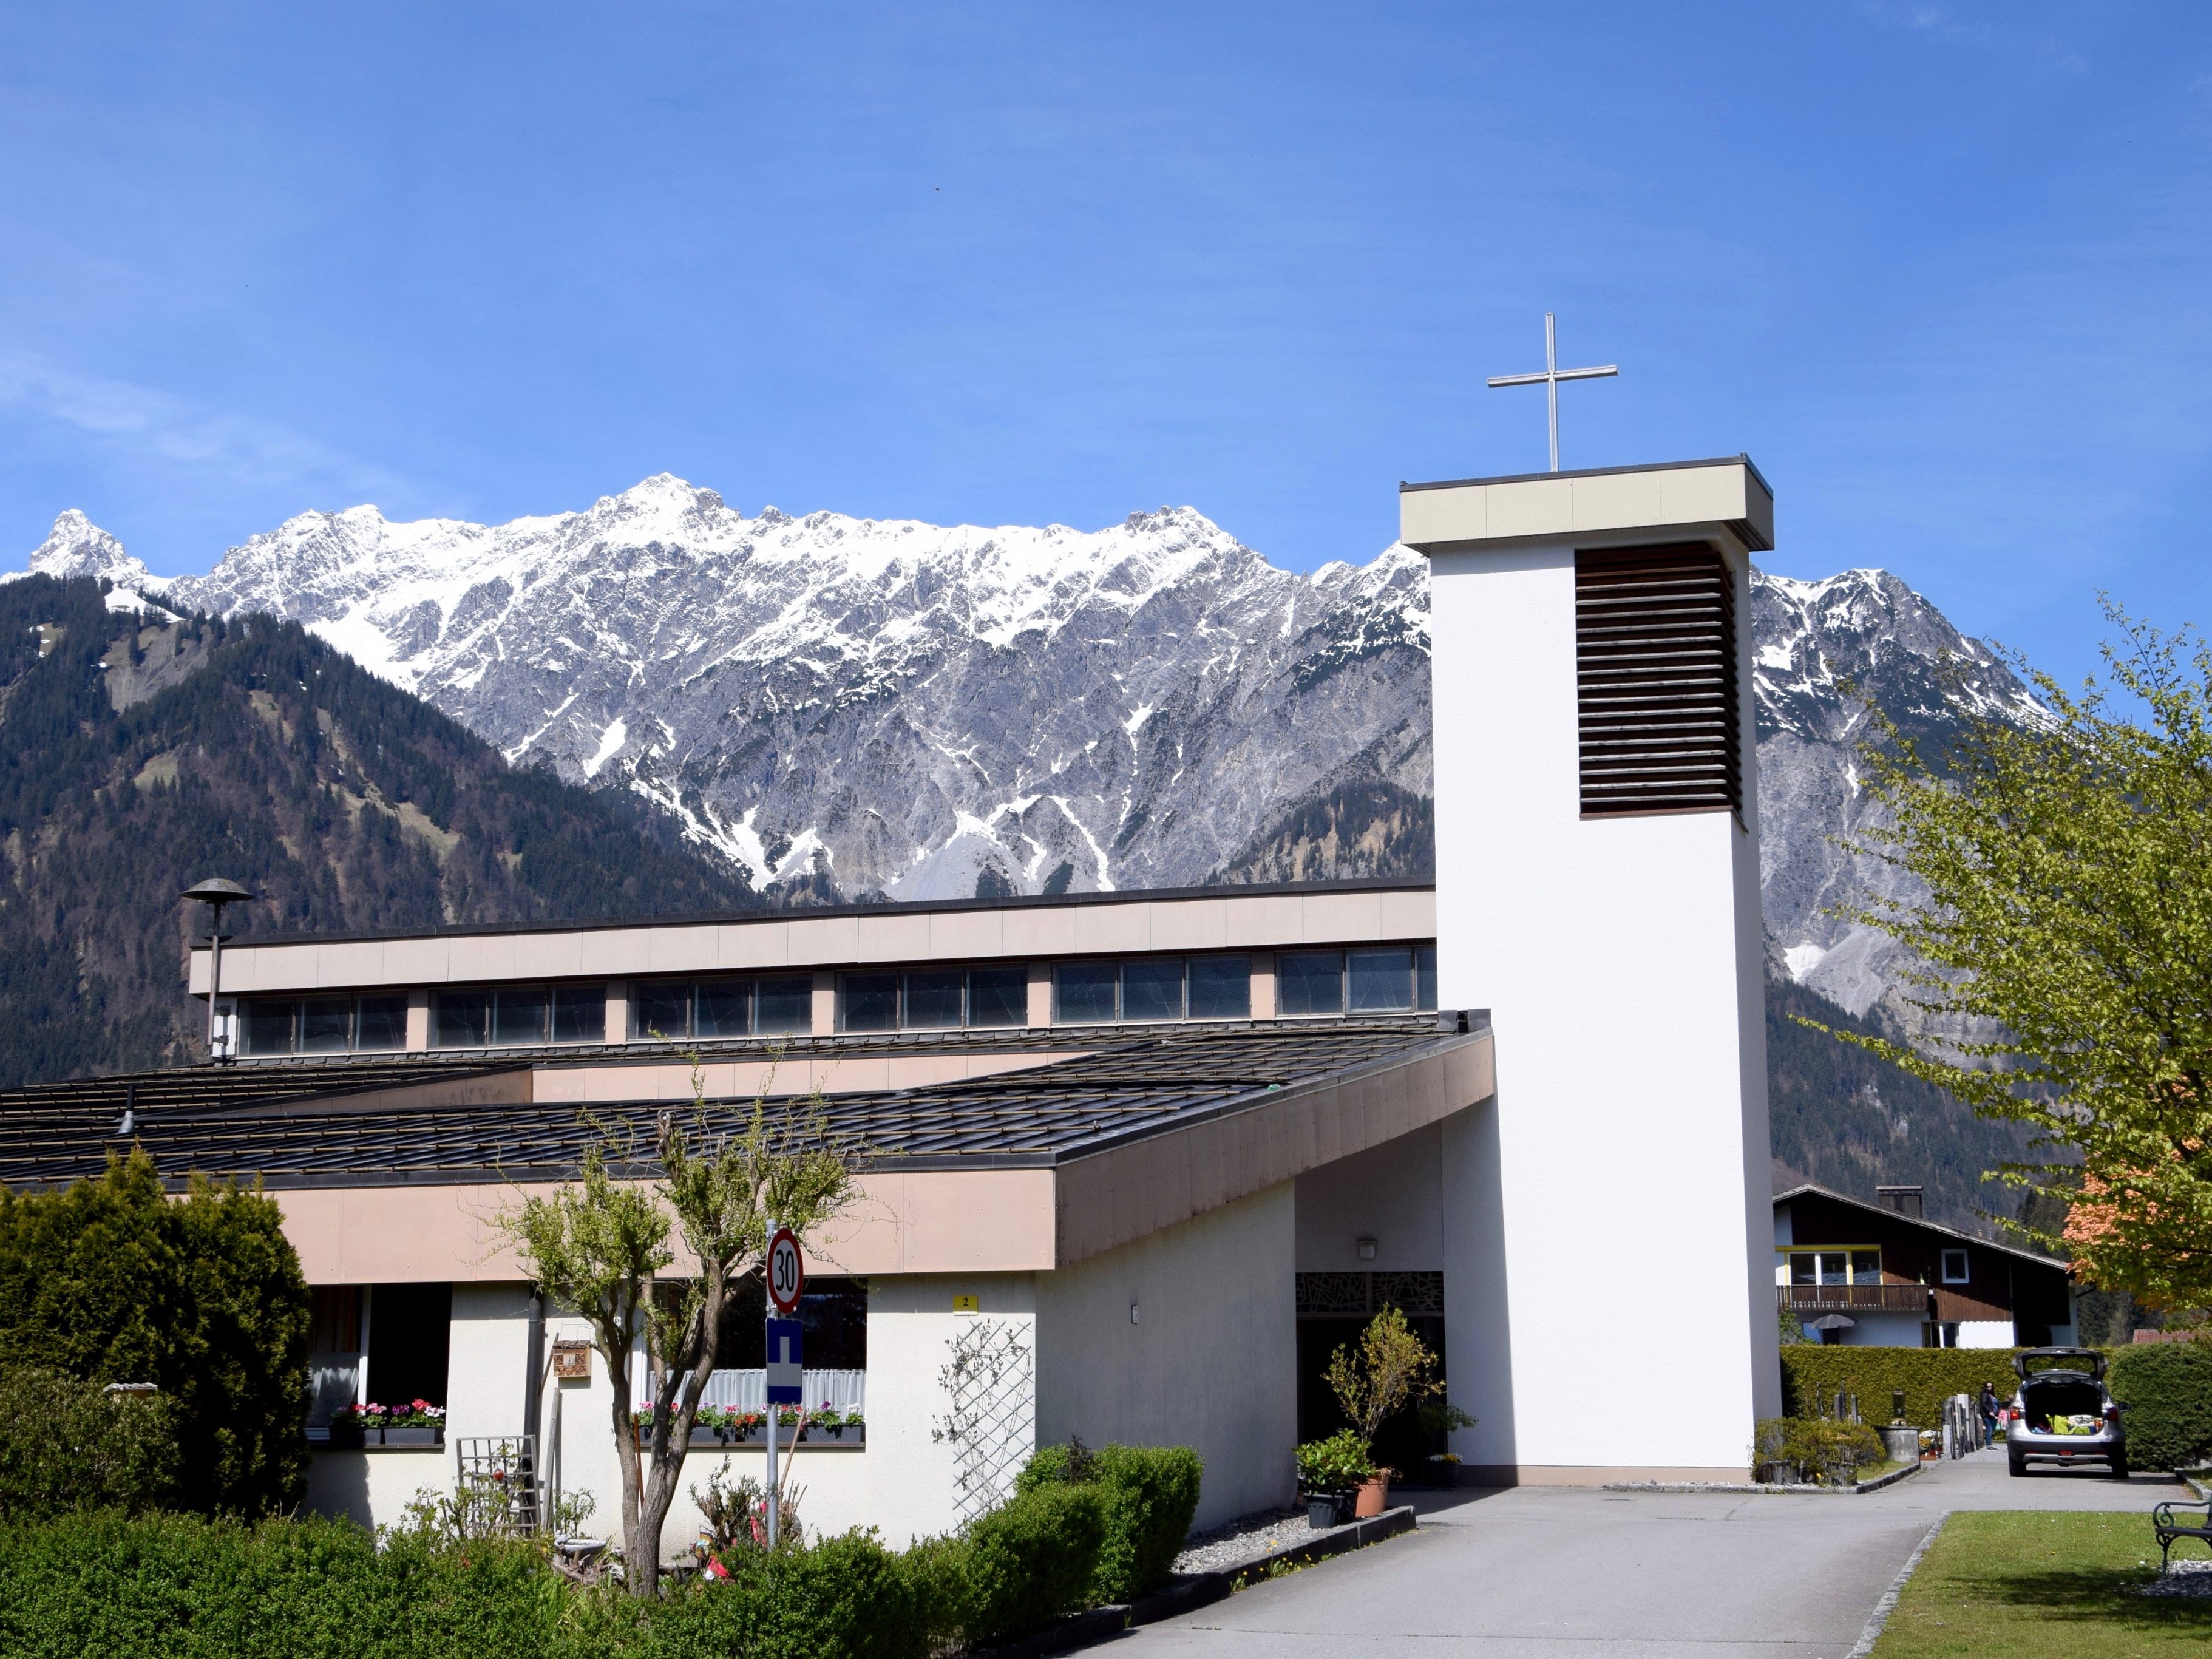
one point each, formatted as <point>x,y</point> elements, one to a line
<point>1372,1497</point>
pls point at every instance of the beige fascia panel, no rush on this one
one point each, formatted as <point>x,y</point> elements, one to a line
<point>927,1222</point>
<point>1253,920</point>
<point>1723,500</point>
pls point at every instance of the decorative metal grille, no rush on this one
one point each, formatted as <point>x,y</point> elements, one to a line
<point>1359,1295</point>
<point>992,1425</point>
<point>1654,657</point>
<point>497,1491</point>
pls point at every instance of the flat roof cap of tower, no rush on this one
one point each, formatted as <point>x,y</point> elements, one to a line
<point>1725,495</point>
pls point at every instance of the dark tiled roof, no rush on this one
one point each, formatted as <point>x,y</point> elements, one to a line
<point>336,1124</point>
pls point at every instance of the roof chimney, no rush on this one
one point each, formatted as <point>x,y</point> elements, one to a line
<point>1905,1201</point>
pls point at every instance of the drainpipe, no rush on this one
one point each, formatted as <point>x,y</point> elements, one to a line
<point>532,1384</point>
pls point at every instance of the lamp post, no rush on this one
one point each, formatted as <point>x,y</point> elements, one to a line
<point>215,893</point>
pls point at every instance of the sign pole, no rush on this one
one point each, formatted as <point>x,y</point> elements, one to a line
<point>784,1379</point>
<point>768,1394</point>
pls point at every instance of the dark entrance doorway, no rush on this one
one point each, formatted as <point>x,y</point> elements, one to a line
<point>1333,1310</point>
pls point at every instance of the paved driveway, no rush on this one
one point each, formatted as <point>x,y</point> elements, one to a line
<point>1563,1573</point>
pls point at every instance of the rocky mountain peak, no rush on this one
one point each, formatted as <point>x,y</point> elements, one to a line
<point>77,547</point>
<point>860,706</point>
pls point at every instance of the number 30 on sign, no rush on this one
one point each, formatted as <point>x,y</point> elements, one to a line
<point>786,1273</point>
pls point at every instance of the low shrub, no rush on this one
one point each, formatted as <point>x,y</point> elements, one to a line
<point>1151,1494</point>
<point>1811,1376</point>
<point>1031,1560</point>
<point>848,1597</point>
<point>67,1445</point>
<point>2167,1389</point>
<point>1815,1444</point>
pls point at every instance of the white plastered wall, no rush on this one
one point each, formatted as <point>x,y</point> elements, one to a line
<point>912,1321</point>
<point>1393,1194</point>
<point>1211,1361</point>
<point>1622,962</point>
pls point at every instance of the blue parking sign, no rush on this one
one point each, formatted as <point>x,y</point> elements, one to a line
<point>785,1360</point>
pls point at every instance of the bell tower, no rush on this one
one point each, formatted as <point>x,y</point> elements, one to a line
<point>1609,1286</point>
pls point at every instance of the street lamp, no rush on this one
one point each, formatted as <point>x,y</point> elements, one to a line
<point>215,892</point>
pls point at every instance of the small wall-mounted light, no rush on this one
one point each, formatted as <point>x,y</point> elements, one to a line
<point>1367,1249</point>
<point>1133,1313</point>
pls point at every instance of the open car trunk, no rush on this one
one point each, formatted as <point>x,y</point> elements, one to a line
<point>2072,1399</point>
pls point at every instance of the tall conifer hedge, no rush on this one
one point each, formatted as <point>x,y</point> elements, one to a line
<point>113,1280</point>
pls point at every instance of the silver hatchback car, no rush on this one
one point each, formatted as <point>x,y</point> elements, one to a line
<point>2062,1412</point>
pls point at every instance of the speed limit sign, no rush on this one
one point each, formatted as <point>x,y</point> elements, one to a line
<point>786,1273</point>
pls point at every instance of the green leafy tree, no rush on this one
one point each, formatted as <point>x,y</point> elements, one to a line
<point>1391,1368</point>
<point>599,1244</point>
<point>114,1280</point>
<point>2067,930</point>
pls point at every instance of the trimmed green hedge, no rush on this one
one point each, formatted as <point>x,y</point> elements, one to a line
<point>181,1586</point>
<point>1811,1376</point>
<point>846,1598</point>
<point>2167,1389</point>
<point>177,1587</point>
<point>1030,1561</point>
<point>67,1445</point>
<point>1151,1494</point>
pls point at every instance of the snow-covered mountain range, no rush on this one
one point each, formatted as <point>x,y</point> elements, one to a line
<point>865,706</point>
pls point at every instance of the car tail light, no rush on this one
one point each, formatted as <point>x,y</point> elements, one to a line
<point>2112,1414</point>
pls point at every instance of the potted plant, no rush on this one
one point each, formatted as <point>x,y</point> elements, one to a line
<point>831,1424</point>
<point>348,1431</point>
<point>1391,1369</point>
<point>1329,1472</point>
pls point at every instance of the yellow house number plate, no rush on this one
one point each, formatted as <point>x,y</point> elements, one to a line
<point>964,1304</point>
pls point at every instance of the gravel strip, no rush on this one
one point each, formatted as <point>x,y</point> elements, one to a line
<point>2182,1578</point>
<point>1248,1538</point>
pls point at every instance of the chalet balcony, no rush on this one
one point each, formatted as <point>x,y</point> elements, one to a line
<point>1854,1298</point>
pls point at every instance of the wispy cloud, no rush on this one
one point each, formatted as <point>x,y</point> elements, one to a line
<point>1944,24</point>
<point>160,430</point>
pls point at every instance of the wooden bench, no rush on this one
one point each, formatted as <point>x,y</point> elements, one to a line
<point>2172,1527</point>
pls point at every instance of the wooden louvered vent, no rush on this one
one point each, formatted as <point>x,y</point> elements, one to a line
<point>1655,664</point>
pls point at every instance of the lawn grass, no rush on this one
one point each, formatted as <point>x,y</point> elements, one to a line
<point>2043,1585</point>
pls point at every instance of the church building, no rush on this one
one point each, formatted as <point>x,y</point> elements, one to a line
<point>1135,1161</point>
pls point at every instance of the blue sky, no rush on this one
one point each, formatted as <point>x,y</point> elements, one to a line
<point>1941,268</point>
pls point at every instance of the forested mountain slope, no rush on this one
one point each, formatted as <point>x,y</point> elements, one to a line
<point>139,753</point>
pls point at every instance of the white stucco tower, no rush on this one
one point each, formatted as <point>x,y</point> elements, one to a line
<point>1609,1281</point>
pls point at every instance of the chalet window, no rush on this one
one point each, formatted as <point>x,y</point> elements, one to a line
<point>1835,1267</point>
<point>1656,681</point>
<point>1955,1267</point>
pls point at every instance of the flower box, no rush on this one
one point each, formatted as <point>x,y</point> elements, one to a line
<point>420,1424</point>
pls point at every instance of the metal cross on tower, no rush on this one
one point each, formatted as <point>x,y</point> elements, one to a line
<point>1550,379</point>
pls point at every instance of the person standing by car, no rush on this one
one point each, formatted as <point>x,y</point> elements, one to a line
<point>1989,1409</point>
